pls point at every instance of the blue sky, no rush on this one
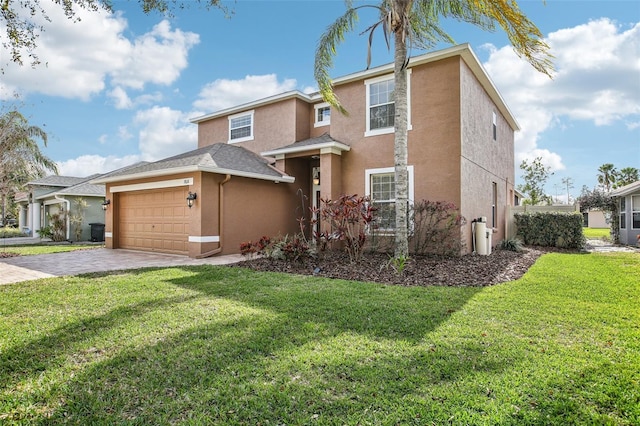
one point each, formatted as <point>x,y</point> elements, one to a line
<point>119,88</point>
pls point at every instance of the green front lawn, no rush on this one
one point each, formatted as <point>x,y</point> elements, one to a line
<point>31,249</point>
<point>217,345</point>
<point>596,233</point>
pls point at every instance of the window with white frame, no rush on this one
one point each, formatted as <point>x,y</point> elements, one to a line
<point>322,115</point>
<point>380,187</point>
<point>494,204</point>
<point>623,213</point>
<point>635,212</point>
<point>241,127</point>
<point>380,92</point>
<point>494,127</point>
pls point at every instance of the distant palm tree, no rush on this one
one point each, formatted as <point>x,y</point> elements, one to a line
<point>20,157</point>
<point>626,176</point>
<point>415,23</point>
<point>607,176</point>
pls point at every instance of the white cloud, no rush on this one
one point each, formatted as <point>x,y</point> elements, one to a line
<point>78,56</point>
<point>165,132</point>
<point>223,93</point>
<point>120,98</point>
<point>87,165</point>
<point>156,57</point>
<point>596,80</point>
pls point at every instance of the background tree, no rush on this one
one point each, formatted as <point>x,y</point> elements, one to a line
<point>626,176</point>
<point>535,177</point>
<point>607,176</point>
<point>20,18</point>
<point>416,23</point>
<point>21,159</point>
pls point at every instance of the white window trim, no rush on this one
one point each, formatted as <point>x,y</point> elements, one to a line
<point>368,82</point>
<point>317,123</point>
<point>367,184</point>
<point>494,126</point>
<point>633,207</point>
<point>623,213</point>
<point>246,138</point>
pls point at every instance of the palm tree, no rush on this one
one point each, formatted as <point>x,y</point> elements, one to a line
<point>607,176</point>
<point>20,157</point>
<point>626,176</point>
<point>415,23</point>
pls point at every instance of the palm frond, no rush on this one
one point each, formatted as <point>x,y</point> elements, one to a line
<point>327,49</point>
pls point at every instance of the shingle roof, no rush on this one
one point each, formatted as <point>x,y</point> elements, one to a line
<point>55,180</point>
<point>627,189</point>
<point>85,189</point>
<point>325,140</point>
<point>217,158</point>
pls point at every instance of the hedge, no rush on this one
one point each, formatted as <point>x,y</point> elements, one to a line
<point>551,229</point>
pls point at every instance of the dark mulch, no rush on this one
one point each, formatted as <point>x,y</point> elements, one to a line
<point>468,270</point>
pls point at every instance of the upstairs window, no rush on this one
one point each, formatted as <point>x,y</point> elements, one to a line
<point>241,127</point>
<point>323,115</point>
<point>381,105</point>
<point>381,110</point>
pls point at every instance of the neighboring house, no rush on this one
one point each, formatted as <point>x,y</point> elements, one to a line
<point>255,161</point>
<point>595,219</point>
<point>628,198</point>
<point>54,194</point>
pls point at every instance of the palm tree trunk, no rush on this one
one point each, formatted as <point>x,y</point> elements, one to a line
<point>400,141</point>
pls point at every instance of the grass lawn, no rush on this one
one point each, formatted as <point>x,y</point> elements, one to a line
<point>31,249</point>
<point>216,345</point>
<point>596,233</point>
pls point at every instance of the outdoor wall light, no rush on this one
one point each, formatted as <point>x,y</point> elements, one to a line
<point>105,205</point>
<point>192,196</point>
<point>316,176</point>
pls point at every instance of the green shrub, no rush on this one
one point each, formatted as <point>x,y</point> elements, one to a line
<point>511,244</point>
<point>8,232</point>
<point>436,228</point>
<point>551,229</point>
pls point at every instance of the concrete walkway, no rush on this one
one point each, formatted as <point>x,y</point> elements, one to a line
<point>601,246</point>
<point>25,268</point>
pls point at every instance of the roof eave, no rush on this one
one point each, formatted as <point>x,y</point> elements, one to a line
<point>192,169</point>
<point>338,145</point>
<point>294,94</point>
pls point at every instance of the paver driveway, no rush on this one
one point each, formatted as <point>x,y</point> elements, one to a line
<point>25,268</point>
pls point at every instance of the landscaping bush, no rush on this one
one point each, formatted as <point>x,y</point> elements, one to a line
<point>346,220</point>
<point>295,248</point>
<point>511,244</point>
<point>9,232</point>
<point>551,229</point>
<point>436,228</point>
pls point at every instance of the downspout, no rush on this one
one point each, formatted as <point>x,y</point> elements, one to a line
<point>68,211</point>
<point>220,221</point>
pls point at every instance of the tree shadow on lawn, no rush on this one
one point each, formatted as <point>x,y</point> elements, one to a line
<point>50,351</point>
<point>249,370</point>
<point>297,360</point>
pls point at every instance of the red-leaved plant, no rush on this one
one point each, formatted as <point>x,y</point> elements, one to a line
<point>346,220</point>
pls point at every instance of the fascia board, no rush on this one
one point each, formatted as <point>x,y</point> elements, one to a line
<point>296,94</point>
<point>192,169</point>
<point>296,149</point>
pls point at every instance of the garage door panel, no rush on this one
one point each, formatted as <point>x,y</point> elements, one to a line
<point>155,220</point>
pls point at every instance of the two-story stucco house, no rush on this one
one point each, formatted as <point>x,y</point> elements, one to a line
<point>254,160</point>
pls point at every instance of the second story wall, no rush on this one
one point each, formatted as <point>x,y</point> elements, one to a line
<point>272,126</point>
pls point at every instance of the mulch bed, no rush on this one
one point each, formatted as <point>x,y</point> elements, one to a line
<point>468,270</point>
